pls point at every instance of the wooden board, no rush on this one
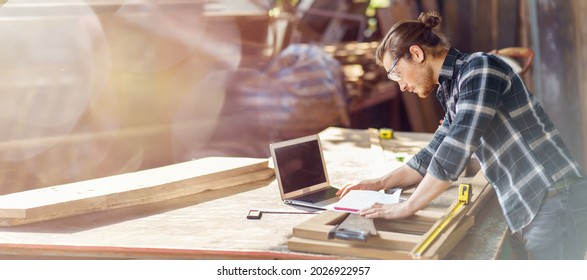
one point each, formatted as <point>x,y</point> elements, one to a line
<point>130,189</point>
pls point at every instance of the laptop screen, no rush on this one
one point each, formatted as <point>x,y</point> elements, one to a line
<point>300,165</point>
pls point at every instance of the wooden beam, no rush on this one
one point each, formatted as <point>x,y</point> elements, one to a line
<point>345,249</point>
<point>136,188</point>
<point>449,239</point>
<point>44,252</point>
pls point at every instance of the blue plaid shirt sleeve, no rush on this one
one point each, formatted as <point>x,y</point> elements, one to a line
<point>421,160</point>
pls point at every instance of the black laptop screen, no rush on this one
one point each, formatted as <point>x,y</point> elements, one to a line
<point>300,166</point>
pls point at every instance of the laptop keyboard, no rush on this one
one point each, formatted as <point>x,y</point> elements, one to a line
<point>319,195</point>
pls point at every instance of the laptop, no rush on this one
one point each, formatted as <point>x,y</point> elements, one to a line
<point>301,173</point>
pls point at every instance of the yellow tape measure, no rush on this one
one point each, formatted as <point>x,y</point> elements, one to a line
<point>465,193</point>
<point>464,198</point>
<point>385,133</point>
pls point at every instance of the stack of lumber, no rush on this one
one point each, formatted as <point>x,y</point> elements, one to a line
<point>130,189</point>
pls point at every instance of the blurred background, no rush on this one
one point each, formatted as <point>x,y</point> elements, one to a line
<point>102,87</point>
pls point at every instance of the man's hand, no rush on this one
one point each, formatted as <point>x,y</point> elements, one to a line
<point>387,211</point>
<point>400,177</point>
<point>429,189</point>
<point>371,185</point>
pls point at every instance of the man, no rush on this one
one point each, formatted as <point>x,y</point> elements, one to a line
<point>489,113</point>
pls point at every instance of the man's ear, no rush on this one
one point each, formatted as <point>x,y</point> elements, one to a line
<point>417,53</point>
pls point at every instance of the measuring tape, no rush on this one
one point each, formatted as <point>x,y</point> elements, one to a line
<point>464,198</point>
<point>385,133</point>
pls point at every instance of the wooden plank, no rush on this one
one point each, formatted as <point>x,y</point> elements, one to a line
<point>44,252</point>
<point>404,234</point>
<point>320,232</point>
<point>130,189</point>
<point>377,155</point>
<point>406,226</point>
<point>449,239</point>
<point>426,216</point>
<point>344,249</point>
<point>401,241</point>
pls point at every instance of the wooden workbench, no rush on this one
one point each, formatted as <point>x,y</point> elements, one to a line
<point>212,225</point>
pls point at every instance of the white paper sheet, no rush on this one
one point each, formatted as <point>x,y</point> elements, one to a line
<point>357,200</point>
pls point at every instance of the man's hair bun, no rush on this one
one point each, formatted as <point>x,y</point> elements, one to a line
<point>429,19</point>
<point>403,34</point>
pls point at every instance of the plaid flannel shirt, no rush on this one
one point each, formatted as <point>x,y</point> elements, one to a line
<point>490,113</point>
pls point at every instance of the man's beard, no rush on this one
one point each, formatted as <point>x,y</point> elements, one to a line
<point>432,85</point>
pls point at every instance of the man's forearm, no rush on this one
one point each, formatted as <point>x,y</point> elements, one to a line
<point>402,177</point>
<point>428,189</point>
